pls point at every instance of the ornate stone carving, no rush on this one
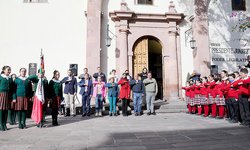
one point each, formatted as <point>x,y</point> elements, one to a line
<point>124,5</point>
<point>171,7</point>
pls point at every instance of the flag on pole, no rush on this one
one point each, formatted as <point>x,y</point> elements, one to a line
<point>37,110</point>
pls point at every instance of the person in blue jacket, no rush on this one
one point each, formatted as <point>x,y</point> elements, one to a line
<point>86,92</point>
<point>112,96</point>
<point>138,89</point>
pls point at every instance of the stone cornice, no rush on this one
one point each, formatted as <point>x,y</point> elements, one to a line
<point>130,15</point>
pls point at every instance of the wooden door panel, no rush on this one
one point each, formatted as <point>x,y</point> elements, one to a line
<point>140,56</point>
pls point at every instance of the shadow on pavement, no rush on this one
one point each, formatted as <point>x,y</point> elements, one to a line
<point>202,139</point>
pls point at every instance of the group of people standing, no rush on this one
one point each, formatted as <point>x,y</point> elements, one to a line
<point>16,92</point>
<point>224,95</point>
<point>115,89</point>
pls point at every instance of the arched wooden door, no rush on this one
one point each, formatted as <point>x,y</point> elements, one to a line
<point>140,55</point>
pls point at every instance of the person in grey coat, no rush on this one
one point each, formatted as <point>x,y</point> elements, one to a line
<point>151,89</point>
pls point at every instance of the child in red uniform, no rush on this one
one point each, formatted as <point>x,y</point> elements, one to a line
<point>187,97</point>
<point>243,87</point>
<point>197,92</point>
<point>204,96</point>
<point>192,96</point>
<point>224,81</point>
<point>211,94</point>
<point>219,98</point>
<point>232,99</point>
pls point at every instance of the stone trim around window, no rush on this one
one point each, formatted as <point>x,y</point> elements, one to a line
<point>144,2</point>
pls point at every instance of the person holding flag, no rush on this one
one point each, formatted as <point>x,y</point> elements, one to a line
<point>41,88</point>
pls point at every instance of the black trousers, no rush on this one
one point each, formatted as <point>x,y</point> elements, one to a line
<point>124,106</point>
<point>233,109</point>
<point>54,114</point>
<point>228,103</point>
<point>244,108</point>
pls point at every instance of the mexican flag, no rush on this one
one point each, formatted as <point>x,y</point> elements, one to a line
<point>37,110</point>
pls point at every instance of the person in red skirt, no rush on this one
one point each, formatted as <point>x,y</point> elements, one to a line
<point>187,96</point>
<point>192,97</point>
<point>211,92</point>
<point>56,95</point>
<point>5,96</point>
<point>197,92</point>
<point>124,93</point>
<point>225,82</point>
<point>23,93</point>
<point>219,98</point>
<point>205,96</point>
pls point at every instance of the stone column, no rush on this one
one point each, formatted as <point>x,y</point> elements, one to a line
<point>171,65</point>
<point>93,43</point>
<point>123,60</point>
<point>200,33</point>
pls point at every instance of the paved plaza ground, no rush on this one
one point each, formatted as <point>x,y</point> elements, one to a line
<point>166,131</point>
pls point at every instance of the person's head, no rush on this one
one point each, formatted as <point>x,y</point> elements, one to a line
<point>41,73</point>
<point>56,75</point>
<point>150,75</point>
<point>136,77</point>
<point>198,81</point>
<point>86,76</point>
<point>223,74</point>
<point>237,74</point>
<point>204,79</point>
<point>13,76</point>
<point>145,70</point>
<point>231,77</point>
<point>70,73</point>
<point>99,79</point>
<point>127,72</point>
<point>22,72</point>
<point>124,75</point>
<point>217,78</point>
<point>85,70</point>
<point>211,77</point>
<point>6,70</point>
<point>187,83</point>
<point>113,72</point>
<point>243,72</point>
<point>190,82</point>
<point>99,69</point>
<point>112,80</point>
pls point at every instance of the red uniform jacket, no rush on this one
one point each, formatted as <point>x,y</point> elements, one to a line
<point>247,83</point>
<point>218,89</point>
<point>197,89</point>
<point>125,88</point>
<point>224,84</point>
<point>231,91</point>
<point>204,90</point>
<point>187,91</point>
<point>211,86</point>
<point>243,88</point>
<point>192,91</point>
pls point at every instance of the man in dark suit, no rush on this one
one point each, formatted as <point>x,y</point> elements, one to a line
<point>69,93</point>
<point>86,92</point>
<point>99,73</point>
